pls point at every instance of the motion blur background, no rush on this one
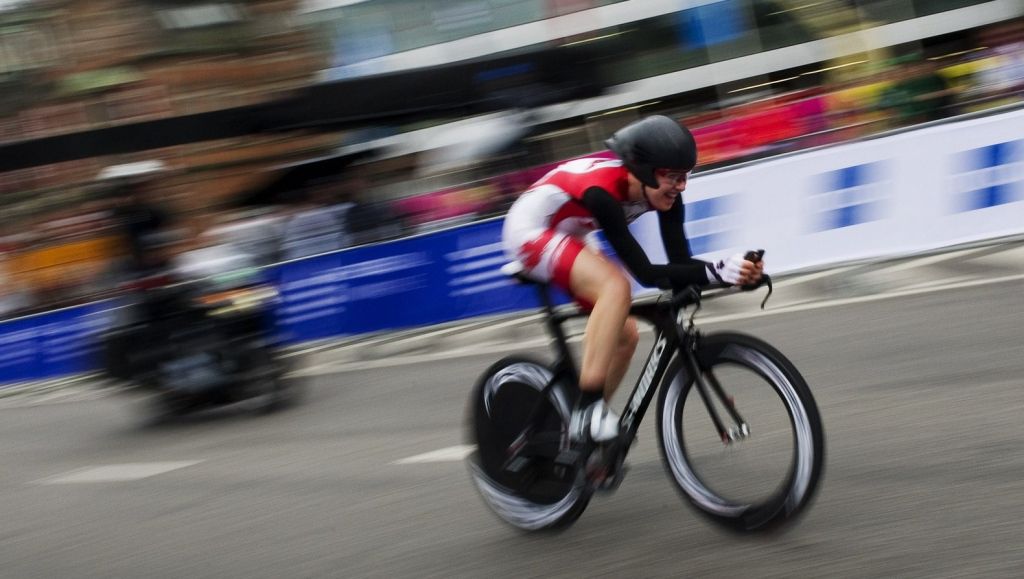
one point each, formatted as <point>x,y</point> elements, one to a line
<point>363,150</point>
<point>752,78</point>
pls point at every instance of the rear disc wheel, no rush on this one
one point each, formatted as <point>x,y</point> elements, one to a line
<point>540,493</point>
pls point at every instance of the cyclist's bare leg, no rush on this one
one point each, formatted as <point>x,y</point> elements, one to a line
<point>596,279</point>
<point>628,340</point>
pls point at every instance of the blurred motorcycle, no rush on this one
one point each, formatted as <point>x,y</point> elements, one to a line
<point>191,348</point>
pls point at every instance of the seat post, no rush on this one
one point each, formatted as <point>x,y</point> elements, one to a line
<point>554,323</point>
<point>553,320</point>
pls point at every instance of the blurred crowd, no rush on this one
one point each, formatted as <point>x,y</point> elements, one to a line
<point>129,233</point>
<point>76,254</point>
<point>909,90</point>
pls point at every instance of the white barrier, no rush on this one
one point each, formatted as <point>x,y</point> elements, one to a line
<point>896,195</point>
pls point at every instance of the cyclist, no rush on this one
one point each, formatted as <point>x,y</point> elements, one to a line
<point>547,231</point>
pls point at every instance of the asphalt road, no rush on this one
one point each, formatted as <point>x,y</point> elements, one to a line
<point>920,394</point>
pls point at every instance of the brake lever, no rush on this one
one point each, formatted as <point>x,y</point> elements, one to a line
<point>765,280</point>
<point>756,256</point>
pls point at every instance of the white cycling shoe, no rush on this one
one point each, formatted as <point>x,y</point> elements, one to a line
<point>595,423</point>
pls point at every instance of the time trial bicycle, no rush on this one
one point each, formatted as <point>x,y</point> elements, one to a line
<point>738,427</point>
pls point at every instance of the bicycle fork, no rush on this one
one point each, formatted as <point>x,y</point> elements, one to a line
<point>707,384</point>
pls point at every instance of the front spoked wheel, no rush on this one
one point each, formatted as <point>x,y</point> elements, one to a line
<point>746,447</point>
<point>528,488</point>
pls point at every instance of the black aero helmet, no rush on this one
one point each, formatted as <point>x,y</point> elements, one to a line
<point>654,142</point>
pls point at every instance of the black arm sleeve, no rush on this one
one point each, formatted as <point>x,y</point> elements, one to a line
<point>608,213</point>
<point>677,246</point>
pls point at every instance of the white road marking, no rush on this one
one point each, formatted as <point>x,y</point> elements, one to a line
<point>116,472</point>
<point>450,454</point>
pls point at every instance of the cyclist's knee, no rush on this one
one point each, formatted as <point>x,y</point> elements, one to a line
<point>594,278</point>
<point>615,287</point>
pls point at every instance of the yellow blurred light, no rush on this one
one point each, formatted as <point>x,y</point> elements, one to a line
<point>828,68</point>
<point>602,37</point>
<point>763,84</point>
<point>795,8</point>
<point>624,109</point>
<point>960,53</point>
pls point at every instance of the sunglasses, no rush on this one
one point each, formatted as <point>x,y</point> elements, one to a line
<point>675,177</point>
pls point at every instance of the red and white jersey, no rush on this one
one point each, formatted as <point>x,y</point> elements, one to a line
<point>554,202</point>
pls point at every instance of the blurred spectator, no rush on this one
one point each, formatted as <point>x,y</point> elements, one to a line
<point>14,296</point>
<point>918,93</point>
<point>15,291</point>
<point>207,256</point>
<point>1005,71</point>
<point>257,233</point>
<point>138,214</point>
<point>81,240</point>
<point>367,220</point>
<point>317,225</point>
<point>373,221</point>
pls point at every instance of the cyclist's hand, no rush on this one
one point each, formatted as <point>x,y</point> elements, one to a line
<point>738,269</point>
<point>756,275</point>
<point>755,258</point>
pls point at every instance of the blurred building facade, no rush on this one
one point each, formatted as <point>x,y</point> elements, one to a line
<point>682,58</point>
<point>752,77</point>
<point>75,65</point>
<point>71,65</point>
<point>68,66</point>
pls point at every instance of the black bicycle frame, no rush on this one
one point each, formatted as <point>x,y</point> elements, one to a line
<point>672,334</point>
<point>669,335</point>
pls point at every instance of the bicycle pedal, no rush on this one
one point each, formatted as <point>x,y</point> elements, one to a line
<point>606,479</point>
<point>612,482</point>
<point>606,467</point>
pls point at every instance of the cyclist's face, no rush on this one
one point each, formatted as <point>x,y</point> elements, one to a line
<point>670,184</point>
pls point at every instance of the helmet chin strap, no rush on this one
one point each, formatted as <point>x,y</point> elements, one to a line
<point>647,199</point>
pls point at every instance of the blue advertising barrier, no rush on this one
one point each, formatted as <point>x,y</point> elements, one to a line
<point>424,280</point>
<point>429,279</point>
<point>19,353</point>
<point>53,344</point>
<point>911,191</point>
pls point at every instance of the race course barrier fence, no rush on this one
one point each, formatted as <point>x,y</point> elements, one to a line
<point>901,194</point>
